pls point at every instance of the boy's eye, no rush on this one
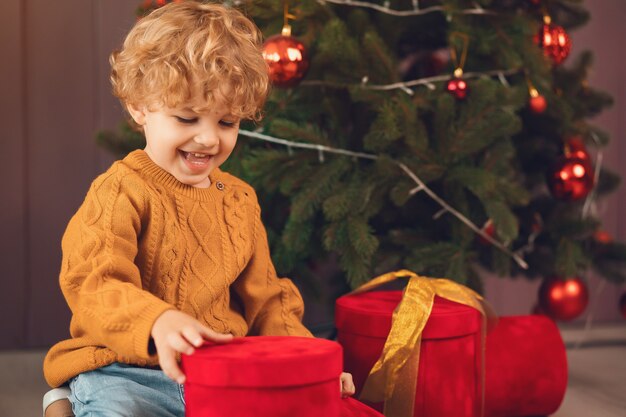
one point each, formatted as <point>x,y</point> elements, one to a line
<point>186,120</point>
<point>227,123</point>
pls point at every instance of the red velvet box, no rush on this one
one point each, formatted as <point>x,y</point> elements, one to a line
<point>264,376</point>
<point>450,368</point>
<point>525,367</point>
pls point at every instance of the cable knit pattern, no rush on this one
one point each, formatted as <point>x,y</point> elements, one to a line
<point>142,243</point>
<point>235,213</point>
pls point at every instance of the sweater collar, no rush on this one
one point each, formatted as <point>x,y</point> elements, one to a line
<point>140,161</point>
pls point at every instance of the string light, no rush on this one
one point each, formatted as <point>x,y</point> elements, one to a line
<point>421,186</point>
<point>503,80</point>
<point>596,176</point>
<point>405,85</point>
<point>416,11</point>
<point>587,207</point>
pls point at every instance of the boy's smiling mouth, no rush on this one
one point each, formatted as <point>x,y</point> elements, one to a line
<point>196,160</point>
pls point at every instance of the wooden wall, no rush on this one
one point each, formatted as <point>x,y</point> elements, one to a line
<point>54,95</point>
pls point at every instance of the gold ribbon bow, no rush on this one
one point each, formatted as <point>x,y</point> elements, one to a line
<point>393,377</point>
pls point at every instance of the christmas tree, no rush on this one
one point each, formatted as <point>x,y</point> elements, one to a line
<point>437,136</point>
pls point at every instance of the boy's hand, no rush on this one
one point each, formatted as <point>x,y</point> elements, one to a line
<point>173,332</point>
<point>347,385</point>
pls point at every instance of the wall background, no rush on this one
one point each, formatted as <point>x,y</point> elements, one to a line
<point>54,95</point>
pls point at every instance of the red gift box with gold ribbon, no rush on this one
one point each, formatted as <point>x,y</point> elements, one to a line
<point>450,367</point>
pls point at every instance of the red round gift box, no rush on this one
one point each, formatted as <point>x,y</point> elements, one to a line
<point>525,367</point>
<point>273,376</point>
<point>450,368</point>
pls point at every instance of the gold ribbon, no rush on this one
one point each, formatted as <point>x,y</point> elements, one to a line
<point>393,377</point>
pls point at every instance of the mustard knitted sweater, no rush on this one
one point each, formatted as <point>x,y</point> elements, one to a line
<point>142,243</point>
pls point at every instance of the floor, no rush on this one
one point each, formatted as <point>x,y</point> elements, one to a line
<point>597,372</point>
<point>597,375</point>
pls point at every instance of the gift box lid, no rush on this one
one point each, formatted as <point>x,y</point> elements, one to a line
<point>265,361</point>
<point>369,314</point>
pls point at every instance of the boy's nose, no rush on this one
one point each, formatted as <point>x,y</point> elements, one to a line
<point>208,140</point>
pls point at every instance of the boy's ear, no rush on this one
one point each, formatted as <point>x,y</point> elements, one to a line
<point>137,113</point>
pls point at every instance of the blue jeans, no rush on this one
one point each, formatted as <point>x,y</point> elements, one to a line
<point>120,390</point>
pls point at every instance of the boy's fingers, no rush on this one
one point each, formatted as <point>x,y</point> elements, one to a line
<point>350,386</point>
<point>350,389</point>
<point>347,392</point>
<point>179,343</point>
<point>169,366</point>
<point>347,385</point>
<point>193,336</point>
<point>214,336</point>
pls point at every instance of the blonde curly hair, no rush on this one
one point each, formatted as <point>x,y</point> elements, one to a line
<point>190,52</point>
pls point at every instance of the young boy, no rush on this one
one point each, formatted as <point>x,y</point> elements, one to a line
<point>167,251</point>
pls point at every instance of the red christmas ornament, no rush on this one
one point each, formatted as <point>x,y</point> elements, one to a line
<point>622,305</point>
<point>490,230</point>
<point>537,104</point>
<point>571,178</point>
<point>576,147</point>
<point>603,237</point>
<point>287,59</point>
<point>563,299</point>
<point>554,41</point>
<point>458,88</point>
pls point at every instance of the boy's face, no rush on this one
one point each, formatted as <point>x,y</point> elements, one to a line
<point>187,144</point>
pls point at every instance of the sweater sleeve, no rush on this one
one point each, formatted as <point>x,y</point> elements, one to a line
<point>272,305</point>
<point>99,279</point>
